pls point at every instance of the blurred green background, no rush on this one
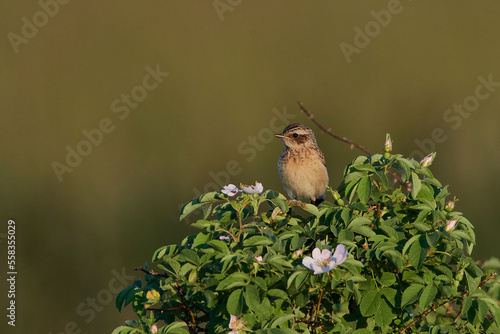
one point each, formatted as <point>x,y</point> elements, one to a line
<point>229,68</point>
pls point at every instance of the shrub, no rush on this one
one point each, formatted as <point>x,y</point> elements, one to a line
<point>408,267</point>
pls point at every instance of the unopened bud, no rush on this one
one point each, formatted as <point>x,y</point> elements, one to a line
<point>388,143</point>
<point>297,254</point>
<point>336,195</point>
<point>449,206</point>
<point>427,161</point>
<point>450,225</point>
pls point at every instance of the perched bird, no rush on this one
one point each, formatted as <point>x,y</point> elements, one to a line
<point>301,165</point>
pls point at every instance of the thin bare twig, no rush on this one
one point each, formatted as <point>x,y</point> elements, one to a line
<point>329,131</point>
<point>467,292</point>
<point>433,308</point>
<point>150,272</point>
<point>344,139</point>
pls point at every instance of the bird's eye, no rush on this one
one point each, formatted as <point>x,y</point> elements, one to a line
<point>295,135</point>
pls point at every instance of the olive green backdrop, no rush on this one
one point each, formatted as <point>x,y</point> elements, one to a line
<point>236,70</point>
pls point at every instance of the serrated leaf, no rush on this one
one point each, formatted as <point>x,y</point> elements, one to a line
<point>219,245</point>
<point>364,230</point>
<point>252,298</point>
<point>364,189</point>
<point>280,203</point>
<point>370,303</point>
<point>281,319</point>
<point>354,176</point>
<point>311,208</point>
<point>201,239</point>
<point>432,238</point>
<point>467,303</point>
<point>299,277</point>
<point>278,294</point>
<point>418,253</point>
<point>482,309</point>
<point>416,185</point>
<point>232,281</point>
<point>387,279</point>
<point>410,242</point>
<point>125,330</point>
<point>175,328</point>
<point>411,294</point>
<point>391,295</point>
<point>383,179</point>
<point>235,302</point>
<point>358,221</point>
<point>428,295</point>
<point>260,282</point>
<point>383,314</point>
<point>395,257</point>
<point>258,240</point>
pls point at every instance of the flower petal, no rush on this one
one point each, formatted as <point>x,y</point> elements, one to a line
<point>325,254</point>
<point>340,255</point>
<point>316,254</point>
<point>308,262</point>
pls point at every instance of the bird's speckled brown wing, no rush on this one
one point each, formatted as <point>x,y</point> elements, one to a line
<point>322,157</point>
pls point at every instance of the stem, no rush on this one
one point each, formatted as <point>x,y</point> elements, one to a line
<point>328,131</point>
<point>319,304</point>
<point>344,139</point>
<point>433,308</point>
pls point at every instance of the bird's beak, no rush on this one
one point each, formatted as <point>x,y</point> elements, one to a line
<point>279,136</point>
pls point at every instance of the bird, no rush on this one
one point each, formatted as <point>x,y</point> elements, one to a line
<point>302,166</point>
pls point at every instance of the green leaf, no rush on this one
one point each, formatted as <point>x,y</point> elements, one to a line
<point>392,296</point>
<point>346,215</point>
<point>410,242</point>
<point>370,303</point>
<point>364,230</point>
<point>428,295</point>
<point>418,253</point>
<point>190,256</point>
<point>467,303</point>
<point>126,330</point>
<point>395,257</point>
<point>387,279</point>
<point>383,314</point>
<point>252,298</point>
<point>354,176</point>
<point>201,239</point>
<point>299,277</point>
<point>364,189</point>
<point>432,238</point>
<point>232,281</point>
<point>235,302</point>
<point>259,281</point>
<point>264,310</point>
<point>278,294</point>
<point>219,245</point>
<point>416,185</point>
<point>411,294</point>
<point>358,221</point>
<point>190,207</point>
<point>482,309</point>
<point>311,208</point>
<point>281,319</point>
<point>175,328</point>
<point>383,179</point>
<point>258,240</point>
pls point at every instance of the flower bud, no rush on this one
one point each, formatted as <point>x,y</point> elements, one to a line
<point>427,161</point>
<point>388,143</point>
<point>336,195</point>
<point>450,225</point>
<point>297,254</point>
<point>449,206</point>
